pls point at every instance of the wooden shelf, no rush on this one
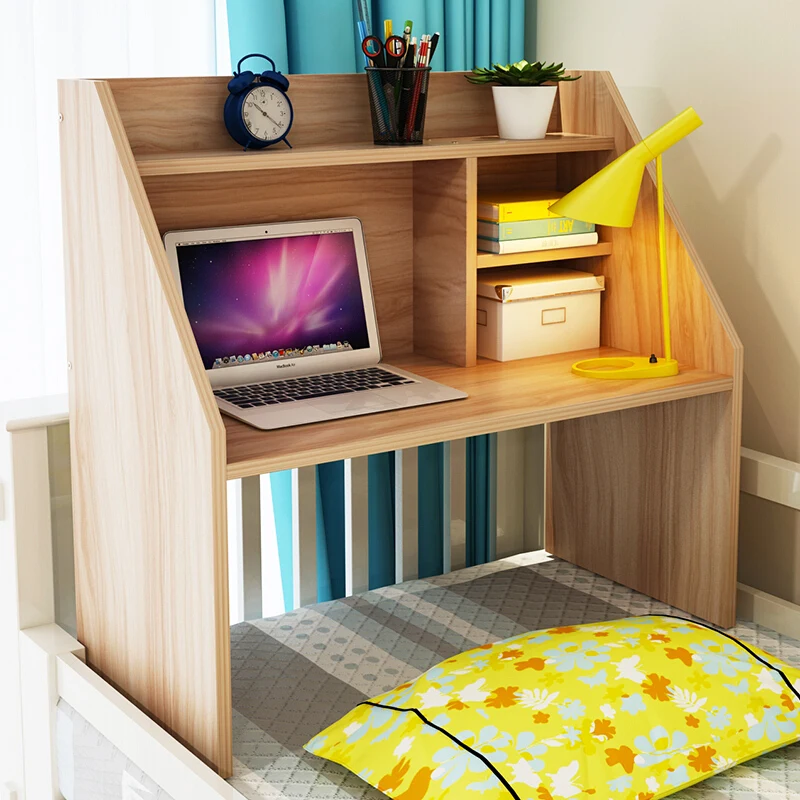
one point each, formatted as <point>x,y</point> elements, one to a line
<point>487,260</point>
<point>237,160</point>
<point>502,396</point>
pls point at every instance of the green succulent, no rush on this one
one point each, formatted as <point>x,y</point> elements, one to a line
<point>523,73</point>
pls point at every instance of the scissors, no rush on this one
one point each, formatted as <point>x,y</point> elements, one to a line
<point>384,55</point>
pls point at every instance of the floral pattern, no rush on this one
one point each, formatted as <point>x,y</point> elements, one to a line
<point>631,710</point>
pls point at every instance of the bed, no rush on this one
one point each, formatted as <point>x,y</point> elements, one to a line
<point>296,673</point>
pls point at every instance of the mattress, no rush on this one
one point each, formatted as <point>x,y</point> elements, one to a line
<point>295,674</point>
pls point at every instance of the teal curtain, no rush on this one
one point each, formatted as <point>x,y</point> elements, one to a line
<point>319,36</point>
<point>481,498</point>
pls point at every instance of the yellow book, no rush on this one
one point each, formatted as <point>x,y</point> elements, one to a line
<point>517,206</point>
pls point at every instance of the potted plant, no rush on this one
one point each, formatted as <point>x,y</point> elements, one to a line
<point>523,97</point>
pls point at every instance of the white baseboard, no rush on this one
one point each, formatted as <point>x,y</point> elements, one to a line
<point>771,478</point>
<point>781,616</point>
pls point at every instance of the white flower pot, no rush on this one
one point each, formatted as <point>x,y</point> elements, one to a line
<point>523,111</point>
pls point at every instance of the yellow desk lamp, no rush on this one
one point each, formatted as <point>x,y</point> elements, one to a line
<point>609,198</point>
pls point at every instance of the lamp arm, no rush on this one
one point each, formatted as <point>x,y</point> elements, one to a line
<point>662,257</point>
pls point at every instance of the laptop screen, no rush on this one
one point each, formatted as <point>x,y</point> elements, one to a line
<point>264,300</point>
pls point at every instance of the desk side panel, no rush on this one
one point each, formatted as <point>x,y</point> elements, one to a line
<point>148,447</point>
<point>702,335</point>
<point>642,497</point>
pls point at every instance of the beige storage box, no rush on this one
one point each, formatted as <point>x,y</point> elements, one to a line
<point>536,311</point>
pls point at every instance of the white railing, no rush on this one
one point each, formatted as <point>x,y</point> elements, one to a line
<point>516,521</point>
<point>28,597</point>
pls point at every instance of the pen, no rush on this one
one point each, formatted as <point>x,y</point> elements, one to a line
<point>407,39</point>
<point>419,108</point>
<point>411,117</point>
<point>434,43</point>
<point>407,84</point>
<point>422,53</point>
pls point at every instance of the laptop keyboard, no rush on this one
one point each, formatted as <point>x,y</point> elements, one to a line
<point>310,387</point>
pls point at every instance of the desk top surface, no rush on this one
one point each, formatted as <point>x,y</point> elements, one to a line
<point>502,396</point>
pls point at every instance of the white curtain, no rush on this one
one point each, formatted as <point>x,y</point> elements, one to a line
<point>40,42</point>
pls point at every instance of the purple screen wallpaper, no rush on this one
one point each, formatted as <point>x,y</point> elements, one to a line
<point>273,294</point>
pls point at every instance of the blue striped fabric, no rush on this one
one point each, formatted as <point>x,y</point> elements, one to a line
<point>309,36</point>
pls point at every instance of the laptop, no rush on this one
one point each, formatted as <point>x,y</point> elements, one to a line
<point>284,319</point>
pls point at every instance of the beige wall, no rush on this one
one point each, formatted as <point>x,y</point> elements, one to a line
<point>736,182</point>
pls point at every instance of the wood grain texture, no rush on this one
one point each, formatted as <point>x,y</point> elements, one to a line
<point>445,282</point>
<point>499,174</point>
<point>641,497</point>
<point>489,260</point>
<point>221,199</point>
<point>238,160</point>
<point>502,396</point>
<point>184,115</point>
<point>148,447</point>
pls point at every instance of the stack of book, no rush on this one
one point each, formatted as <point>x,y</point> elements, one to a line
<point>523,223</point>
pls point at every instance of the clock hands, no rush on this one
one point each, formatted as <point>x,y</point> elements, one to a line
<point>264,112</point>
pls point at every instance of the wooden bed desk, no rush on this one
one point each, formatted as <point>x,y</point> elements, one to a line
<point>641,476</point>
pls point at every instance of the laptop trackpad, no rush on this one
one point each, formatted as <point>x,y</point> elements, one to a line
<point>362,403</point>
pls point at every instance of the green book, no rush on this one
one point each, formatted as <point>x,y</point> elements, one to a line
<point>532,228</point>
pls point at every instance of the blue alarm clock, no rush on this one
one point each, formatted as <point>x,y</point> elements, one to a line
<point>258,112</point>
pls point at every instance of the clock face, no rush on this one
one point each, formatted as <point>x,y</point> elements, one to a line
<point>266,113</point>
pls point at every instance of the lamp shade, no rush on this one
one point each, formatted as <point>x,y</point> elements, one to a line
<point>609,197</point>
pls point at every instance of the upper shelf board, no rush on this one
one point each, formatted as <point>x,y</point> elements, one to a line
<point>489,260</point>
<point>328,155</point>
<point>502,396</point>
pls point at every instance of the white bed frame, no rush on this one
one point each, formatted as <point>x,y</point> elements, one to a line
<point>51,660</point>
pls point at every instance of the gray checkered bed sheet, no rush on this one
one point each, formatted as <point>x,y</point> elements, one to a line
<point>295,674</point>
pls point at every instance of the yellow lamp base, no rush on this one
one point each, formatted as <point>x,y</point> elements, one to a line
<point>615,368</point>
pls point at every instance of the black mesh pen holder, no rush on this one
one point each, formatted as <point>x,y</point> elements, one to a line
<point>398,98</point>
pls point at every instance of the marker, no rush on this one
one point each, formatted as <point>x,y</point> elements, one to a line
<point>434,43</point>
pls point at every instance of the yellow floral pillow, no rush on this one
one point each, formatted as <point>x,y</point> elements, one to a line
<point>634,709</point>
